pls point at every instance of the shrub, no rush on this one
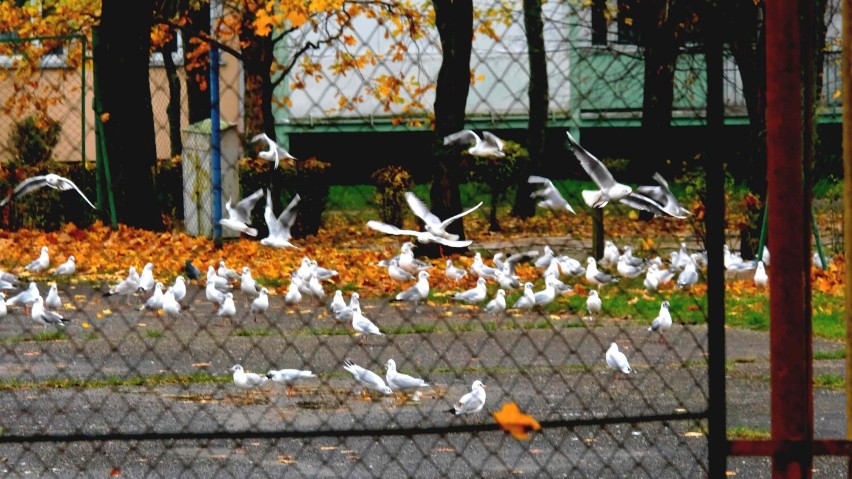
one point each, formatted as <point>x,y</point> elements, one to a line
<point>497,173</point>
<point>33,140</point>
<point>391,184</point>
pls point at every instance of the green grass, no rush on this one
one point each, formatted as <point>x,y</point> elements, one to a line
<point>116,381</point>
<point>248,333</point>
<point>57,335</point>
<point>154,333</point>
<point>829,381</point>
<point>838,354</point>
<point>748,433</point>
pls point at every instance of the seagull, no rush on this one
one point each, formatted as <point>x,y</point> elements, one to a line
<point>596,277</point>
<point>293,295</point>
<point>681,258</point>
<point>471,402</point>
<point>506,278</point>
<point>273,152</point>
<point>403,382</point>
<point>527,300</point>
<point>630,259</point>
<point>432,223</point>
<point>361,324</point>
<point>146,279</point>
<point>8,277</point>
<point>288,377</point>
<point>227,308</point>
<point>454,273</point>
<point>610,254</point>
<point>514,260</point>
<point>214,295</point>
<point>408,262</point>
<point>594,303</point>
<point>481,270</point>
<point>191,271</point>
<point>3,309</point>
<point>247,284</point>
<point>45,317</point>
<point>260,304</point>
<point>155,302</point>
<point>616,360</point>
<point>7,285</point>
<point>367,378</point>
<point>657,199</point>
<point>226,272</point>
<point>424,237</point>
<point>551,198</point>
<point>179,288</point>
<point>652,279</point>
<point>244,380</point>
<point>543,261</point>
<point>127,286</point>
<point>41,263</point>
<point>489,146</point>
<point>625,269</point>
<point>610,190</point>
<point>218,282</point>
<point>475,295</point>
<point>170,303</point>
<point>337,302</point>
<point>345,313</point>
<point>498,304</point>
<point>323,274</point>
<point>279,228</point>
<point>398,274</point>
<point>547,295</point>
<point>239,216</point>
<point>51,180</point>
<point>53,301</point>
<point>687,277</point>
<point>66,268</point>
<point>418,292</point>
<point>663,321</point>
<point>760,277</point>
<point>26,297</point>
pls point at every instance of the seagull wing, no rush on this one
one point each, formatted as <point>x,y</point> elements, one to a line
<point>464,137</point>
<point>26,186</point>
<point>593,166</point>
<point>450,243</point>
<point>269,216</point>
<point>390,229</point>
<point>419,208</point>
<point>288,216</point>
<point>446,222</point>
<point>244,207</point>
<point>642,202</point>
<point>492,139</point>
<point>66,184</point>
<point>262,136</point>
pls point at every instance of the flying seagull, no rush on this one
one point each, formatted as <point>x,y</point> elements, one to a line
<point>550,196</point>
<point>424,237</point>
<point>489,146</point>
<point>279,228</point>
<point>610,190</point>
<point>51,180</point>
<point>432,223</point>
<point>239,216</point>
<point>274,152</point>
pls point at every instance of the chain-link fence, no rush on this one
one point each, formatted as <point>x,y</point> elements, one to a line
<point>129,390</point>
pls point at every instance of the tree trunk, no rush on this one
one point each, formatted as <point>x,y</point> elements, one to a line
<point>539,99</point>
<point>197,93</point>
<point>173,108</point>
<point>122,60</point>
<point>454,20</point>
<point>257,63</point>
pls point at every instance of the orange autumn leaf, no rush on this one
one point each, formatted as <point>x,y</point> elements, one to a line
<point>516,423</point>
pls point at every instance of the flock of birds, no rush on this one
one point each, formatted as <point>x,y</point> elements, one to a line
<point>307,280</point>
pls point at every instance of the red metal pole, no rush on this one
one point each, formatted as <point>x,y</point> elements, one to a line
<point>790,331</point>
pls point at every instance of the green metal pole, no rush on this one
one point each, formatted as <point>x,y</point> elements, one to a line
<point>83,105</point>
<point>103,158</point>
<point>762,243</point>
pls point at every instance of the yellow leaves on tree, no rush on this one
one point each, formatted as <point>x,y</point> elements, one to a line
<point>516,423</point>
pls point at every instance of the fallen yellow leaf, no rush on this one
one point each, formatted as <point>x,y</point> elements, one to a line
<point>86,325</point>
<point>516,423</point>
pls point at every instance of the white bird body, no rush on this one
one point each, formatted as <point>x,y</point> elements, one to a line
<point>471,402</point>
<point>315,287</point>
<point>247,284</point>
<point>610,190</point>
<point>289,377</point>
<point>323,274</point>
<point>616,360</point>
<point>273,152</point>
<point>418,292</point>
<point>489,146</point>
<point>50,180</point>
<point>408,262</point>
<point>220,283</point>
<point>170,302</point>
<point>128,286</point>
<point>627,270</point>
<point>225,272</point>
<point>652,279</point>
<point>3,309</point>
<point>260,304</point>
<point>66,268</point>
<point>362,324</point>
<point>474,295</point>
<point>214,295</point>
<point>424,237</point>
<point>41,263</point>
<point>44,317</point>
<point>431,222</point>
<point>179,288</point>
<point>663,321</point>
<point>26,297</point>
<point>571,266</point>
<point>337,302</point>
<point>398,274</point>
<point>544,260</point>
<point>367,378</point>
<point>402,382</point>
<point>346,313</point>
<point>527,300</point>
<point>611,254</point>
<point>239,216</point>
<point>53,301</point>
<point>453,272</point>
<point>279,227</point>
<point>506,278</point>
<point>498,304</point>
<point>481,270</point>
<point>657,199</point>
<point>596,277</point>
<point>687,277</point>
<point>146,279</point>
<point>550,197</point>
<point>227,309</point>
<point>155,302</point>
<point>547,295</point>
<point>761,279</point>
<point>244,380</point>
<point>594,303</point>
<point>293,295</point>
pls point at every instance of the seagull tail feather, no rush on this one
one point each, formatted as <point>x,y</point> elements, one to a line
<point>591,197</point>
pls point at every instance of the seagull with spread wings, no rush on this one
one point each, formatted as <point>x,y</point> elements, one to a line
<point>279,228</point>
<point>273,152</point>
<point>239,216</point>
<point>50,180</point>
<point>550,197</point>
<point>489,146</point>
<point>424,237</point>
<point>610,190</point>
<point>432,223</point>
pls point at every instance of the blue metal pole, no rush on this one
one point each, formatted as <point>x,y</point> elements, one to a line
<point>216,146</point>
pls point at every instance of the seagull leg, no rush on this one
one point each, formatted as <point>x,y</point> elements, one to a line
<point>290,391</point>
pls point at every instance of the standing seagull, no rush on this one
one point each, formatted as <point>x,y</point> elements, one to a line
<point>403,382</point>
<point>610,190</point>
<point>274,152</point>
<point>53,301</point>
<point>687,277</point>
<point>239,216</point>
<point>594,303</point>
<point>41,263</point>
<point>471,402</point>
<point>288,377</point>
<point>475,295</point>
<point>527,300</point>
<point>53,181</point>
<point>260,303</point>
<point>616,360</point>
<point>498,304</point>
<point>550,196</point>
<point>45,317</point>
<point>596,277</point>
<point>454,273</point>
<point>362,324</point>
<point>761,279</point>
<point>367,378</point>
<point>279,228</point>
<point>489,146</point>
<point>66,268</point>
<point>662,322</point>
<point>244,380</point>
<point>418,292</point>
<point>127,286</point>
